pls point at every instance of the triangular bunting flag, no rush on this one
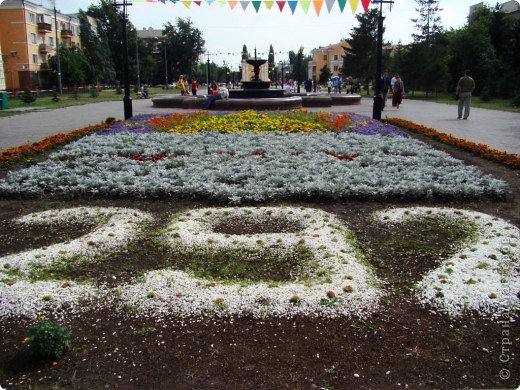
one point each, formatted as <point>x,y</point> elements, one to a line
<point>256,4</point>
<point>232,4</point>
<point>221,3</point>
<point>330,4</point>
<point>281,4</point>
<point>305,5</point>
<point>198,2</point>
<point>365,3</point>
<point>293,4</point>
<point>342,4</point>
<point>210,1</point>
<point>174,1</point>
<point>353,5</point>
<point>186,3</point>
<point>268,4</point>
<point>317,6</point>
<point>244,5</point>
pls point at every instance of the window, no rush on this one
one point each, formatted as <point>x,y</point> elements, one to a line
<point>51,41</point>
<point>63,27</point>
<point>42,39</point>
<point>335,57</point>
<point>32,18</point>
<point>35,58</point>
<point>33,38</point>
<point>43,59</point>
<point>336,68</point>
<point>72,30</point>
<point>324,57</point>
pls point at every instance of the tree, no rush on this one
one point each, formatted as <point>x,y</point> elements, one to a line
<point>471,48</point>
<point>97,51</point>
<point>325,74</point>
<point>428,22</point>
<point>429,48</point>
<point>184,45</point>
<point>109,30</point>
<point>74,65</point>
<point>360,58</point>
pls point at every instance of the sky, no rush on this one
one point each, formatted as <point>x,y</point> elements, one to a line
<point>226,30</point>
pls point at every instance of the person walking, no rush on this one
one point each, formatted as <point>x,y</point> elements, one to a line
<point>182,86</point>
<point>385,86</point>
<point>398,92</point>
<point>194,86</point>
<point>329,85</point>
<point>464,90</point>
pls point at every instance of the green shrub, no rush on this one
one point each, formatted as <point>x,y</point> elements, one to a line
<point>485,96</point>
<point>515,102</point>
<point>55,96</point>
<point>119,90</point>
<point>94,92</point>
<point>28,97</point>
<point>49,340</point>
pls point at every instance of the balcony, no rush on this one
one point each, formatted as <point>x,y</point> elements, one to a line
<point>43,48</point>
<point>44,66</point>
<point>44,28</point>
<point>66,34</point>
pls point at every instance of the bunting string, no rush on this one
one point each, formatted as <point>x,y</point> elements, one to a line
<point>269,4</point>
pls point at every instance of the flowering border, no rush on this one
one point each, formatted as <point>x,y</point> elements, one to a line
<point>509,160</point>
<point>13,155</point>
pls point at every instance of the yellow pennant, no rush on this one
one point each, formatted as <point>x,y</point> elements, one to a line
<point>268,4</point>
<point>353,5</point>
<point>186,3</point>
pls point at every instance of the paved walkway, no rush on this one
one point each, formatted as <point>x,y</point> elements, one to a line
<point>497,129</point>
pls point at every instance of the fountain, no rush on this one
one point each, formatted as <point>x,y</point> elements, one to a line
<point>255,94</point>
<point>255,88</point>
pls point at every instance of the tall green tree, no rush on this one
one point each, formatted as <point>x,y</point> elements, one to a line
<point>97,51</point>
<point>184,45</point>
<point>429,49</point>
<point>74,65</point>
<point>325,74</point>
<point>429,22</point>
<point>109,27</point>
<point>359,60</point>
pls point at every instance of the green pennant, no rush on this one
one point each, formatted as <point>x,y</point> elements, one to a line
<point>341,4</point>
<point>256,4</point>
<point>305,5</point>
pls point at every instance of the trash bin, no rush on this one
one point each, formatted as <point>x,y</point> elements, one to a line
<point>4,103</point>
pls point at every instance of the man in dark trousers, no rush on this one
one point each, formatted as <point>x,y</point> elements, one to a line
<point>465,87</point>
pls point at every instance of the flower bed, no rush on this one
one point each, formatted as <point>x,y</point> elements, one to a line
<point>175,156</point>
<point>484,151</point>
<point>12,155</point>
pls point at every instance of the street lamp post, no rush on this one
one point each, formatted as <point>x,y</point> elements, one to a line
<point>137,60</point>
<point>127,100</point>
<point>165,67</point>
<point>378,97</point>
<point>58,66</point>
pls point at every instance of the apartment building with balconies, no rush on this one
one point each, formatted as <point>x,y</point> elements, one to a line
<point>29,38</point>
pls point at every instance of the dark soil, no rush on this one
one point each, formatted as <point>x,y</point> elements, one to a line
<point>404,345</point>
